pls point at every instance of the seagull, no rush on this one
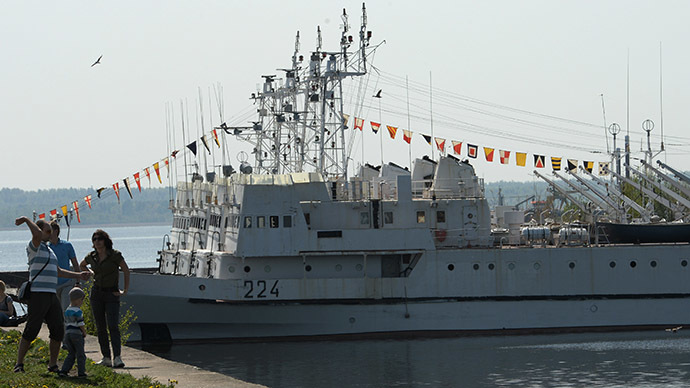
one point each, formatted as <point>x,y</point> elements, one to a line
<point>674,329</point>
<point>378,94</point>
<point>98,61</point>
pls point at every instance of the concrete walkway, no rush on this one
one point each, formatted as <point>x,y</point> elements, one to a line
<point>139,363</point>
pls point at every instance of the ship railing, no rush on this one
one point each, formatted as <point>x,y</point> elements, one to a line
<point>448,188</point>
<point>357,190</point>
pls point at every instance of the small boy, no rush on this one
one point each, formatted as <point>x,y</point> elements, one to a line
<point>74,334</point>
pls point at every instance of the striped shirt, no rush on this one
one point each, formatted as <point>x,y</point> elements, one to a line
<point>74,318</point>
<point>47,280</point>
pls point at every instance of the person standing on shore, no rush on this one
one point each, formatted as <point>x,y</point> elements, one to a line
<point>43,304</point>
<point>65,254</point>
<point>105,263</point>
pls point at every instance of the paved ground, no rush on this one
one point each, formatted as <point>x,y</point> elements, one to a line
<point>140,364</point>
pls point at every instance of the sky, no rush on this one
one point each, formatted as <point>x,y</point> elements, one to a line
<point>523,76</point>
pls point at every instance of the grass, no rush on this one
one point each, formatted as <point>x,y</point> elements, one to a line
<point>37,375</point>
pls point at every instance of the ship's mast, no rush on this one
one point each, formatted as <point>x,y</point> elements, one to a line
<point>301,125</point>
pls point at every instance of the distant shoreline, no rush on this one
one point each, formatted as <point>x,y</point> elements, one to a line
<point>101,226</point>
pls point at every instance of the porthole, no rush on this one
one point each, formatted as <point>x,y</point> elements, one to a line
<point>612,264</point>
<point>451,267</point>
<point>475,266</point>
<point>684,263</point>
<point>358,267</point>
<point>267,268</point>
<point>231,269</point>
<point>247,268</point>
<point>511,266</point>
<point>491,266</point>
<point>202,287</point>
<point>633,264</point>
<point>338,267</point>
<point>307,268</point>
<point>537,266</point>
<point>571,265</point>
<point>652,263</point>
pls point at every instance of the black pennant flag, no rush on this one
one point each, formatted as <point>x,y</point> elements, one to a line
<point>192,147</point>
<point>203,140</point>
<point>99,191</point>
<point>129,191</point>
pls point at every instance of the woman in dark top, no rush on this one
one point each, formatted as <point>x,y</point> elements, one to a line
<point>105,263</point>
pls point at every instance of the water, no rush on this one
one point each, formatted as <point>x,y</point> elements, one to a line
<point>139,244</point>
<point>635,360</point>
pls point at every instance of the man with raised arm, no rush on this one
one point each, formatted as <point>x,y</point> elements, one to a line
<point>43,303</point>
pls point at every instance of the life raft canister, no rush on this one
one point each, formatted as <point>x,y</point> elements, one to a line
<point>440,235</point>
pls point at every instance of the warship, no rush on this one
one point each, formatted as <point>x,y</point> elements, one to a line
<point>293,245</point>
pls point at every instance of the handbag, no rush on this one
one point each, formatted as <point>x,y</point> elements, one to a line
<point>24,292</point>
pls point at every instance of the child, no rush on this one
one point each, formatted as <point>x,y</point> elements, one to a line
<point>6,306</point>
<point>74,334</point>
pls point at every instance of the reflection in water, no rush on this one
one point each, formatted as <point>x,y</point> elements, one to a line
<point>644,359</point>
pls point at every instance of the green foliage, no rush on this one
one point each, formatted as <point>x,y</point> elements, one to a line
<point>36,375</point>
<point>126,319</point>
<point>149,206</point>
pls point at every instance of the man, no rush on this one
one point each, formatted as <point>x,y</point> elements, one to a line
<point>43,304</point>
<point>65,254</point>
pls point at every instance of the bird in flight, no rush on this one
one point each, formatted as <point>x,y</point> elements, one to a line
<point>98,61</point>
<point>378,94</point>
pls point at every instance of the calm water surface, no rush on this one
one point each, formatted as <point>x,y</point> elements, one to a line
<point>637,359</point>
<point>138,244</point>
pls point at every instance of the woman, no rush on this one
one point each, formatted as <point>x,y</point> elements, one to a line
<point>105,263</point>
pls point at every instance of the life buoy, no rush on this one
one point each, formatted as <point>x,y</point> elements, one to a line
<point>440,235</point>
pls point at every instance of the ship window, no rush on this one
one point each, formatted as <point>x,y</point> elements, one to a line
<point>364,218</point>
<point>287,221</point>
<point>421,217</point>
<point>388,217</point>
<point>247,221</point>
<point>273,221</point>
<point>261,221</point>
<point>440,216</point>
<point>307,218</point>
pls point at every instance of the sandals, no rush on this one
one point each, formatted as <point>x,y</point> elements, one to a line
<point>54,369</point>
<point>19,368</point>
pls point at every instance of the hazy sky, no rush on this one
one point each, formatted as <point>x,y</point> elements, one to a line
<point>66,124</point>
